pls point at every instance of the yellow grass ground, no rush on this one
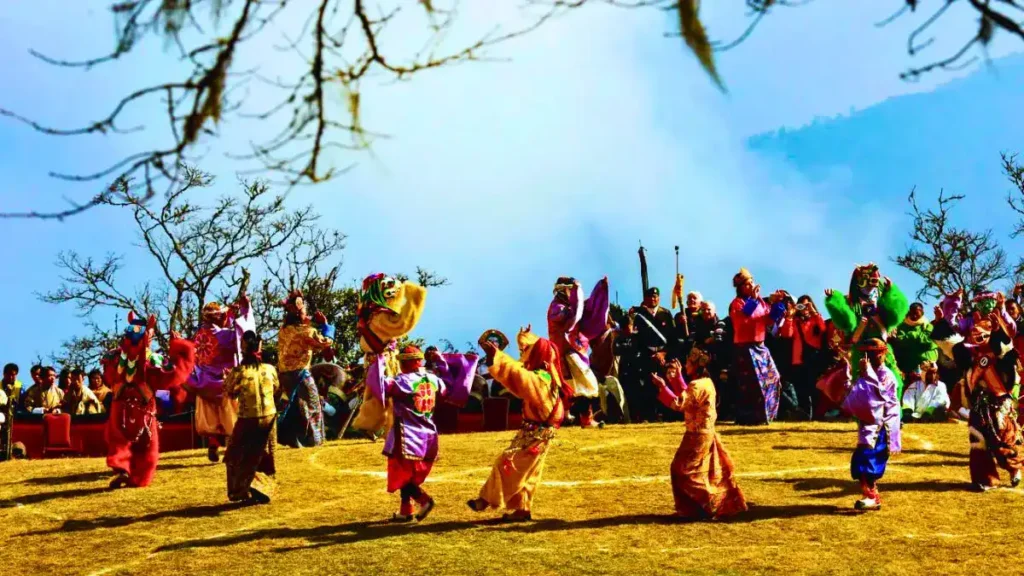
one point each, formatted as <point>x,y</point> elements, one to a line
<point>601,510</point>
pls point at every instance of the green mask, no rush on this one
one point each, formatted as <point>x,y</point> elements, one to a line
<point>985,306</point>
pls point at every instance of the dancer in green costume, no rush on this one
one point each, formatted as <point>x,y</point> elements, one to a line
<point>872,309</point>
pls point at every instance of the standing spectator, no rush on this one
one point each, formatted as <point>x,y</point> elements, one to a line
<point>11,384</point>
<point>711,334</point>
<point>654,326</point>
<point>757,379</point>
<point>781,342</point>
<point>807,353</point>
<point>99,389</point>
<point>78,399</point>
<point>45,396</point>
<point>10,393</point>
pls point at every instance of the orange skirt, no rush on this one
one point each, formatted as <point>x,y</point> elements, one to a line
<point>702,478</point>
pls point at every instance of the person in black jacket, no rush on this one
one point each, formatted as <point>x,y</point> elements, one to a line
<point>654,330</point>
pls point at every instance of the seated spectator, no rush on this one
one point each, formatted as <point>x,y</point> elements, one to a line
<point>99,389</point>
<point>64,380</point>
<point>926,398</point>
<point>45,396</point>
<point>35,373</point>
<point>78,399</point>
<point>10,393</point>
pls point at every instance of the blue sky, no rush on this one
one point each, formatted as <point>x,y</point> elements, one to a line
<point>596,133</point>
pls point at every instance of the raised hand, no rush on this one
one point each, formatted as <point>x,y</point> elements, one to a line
<point>489,348</point>
<point>658,381</point>
<point>829,292</point>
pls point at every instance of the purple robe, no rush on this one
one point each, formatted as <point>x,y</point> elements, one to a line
<point>572,326</point>
<point>414,396</point>
<point>951,310</point>
<point>872,401</point>
<point>218,349</point>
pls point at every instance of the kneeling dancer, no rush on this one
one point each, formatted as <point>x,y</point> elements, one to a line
<point>536,380</point>
<point>873,402</point>
<point>411,445</point>
<point>250,455</point>
<point>703,482</point>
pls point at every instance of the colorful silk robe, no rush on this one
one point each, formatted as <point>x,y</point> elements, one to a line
<point>218,349</point>
<point>703,474</point>
<point>517,471</point>
<point>384,328</point>
<point>414,396</point>
<point>873,402</point>
<point>571,327</point>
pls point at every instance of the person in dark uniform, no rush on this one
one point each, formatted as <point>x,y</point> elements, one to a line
<point>654,337</point>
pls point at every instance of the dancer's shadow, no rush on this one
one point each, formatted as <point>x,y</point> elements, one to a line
<point>761,429</point>
<point>83,477</point>
<point>828,449</point>
<point>321,536</point>
<point>840,487</point>
<point>207,511</point>
<point>47,496</point>
<point>324,536</point>
<point>906,451</point>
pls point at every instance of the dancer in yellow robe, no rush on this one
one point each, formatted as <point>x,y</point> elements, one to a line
<point>388,311</point>
<point>535,379</point>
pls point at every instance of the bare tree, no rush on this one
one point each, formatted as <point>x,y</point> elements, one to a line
<point>948,258</point>
<point>201,251</point>
<point>339,45</point>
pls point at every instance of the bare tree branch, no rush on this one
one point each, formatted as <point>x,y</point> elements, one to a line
<point>948,258</point>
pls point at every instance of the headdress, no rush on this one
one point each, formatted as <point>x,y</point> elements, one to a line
<point>741,278</point>
<point>410,353</point>
<point>873,345</point>
<point>525,341</point>
<point>563,285</point>
<point>213,308</point>
<point>292,313</point>
<point>985,301</point>
<point>865,276</point>
<point>652,291</point>
<point>376,291</point>
<point>984,295</point>
<point>541,354</point>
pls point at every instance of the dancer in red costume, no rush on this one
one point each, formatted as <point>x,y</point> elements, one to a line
<point>133,447</point>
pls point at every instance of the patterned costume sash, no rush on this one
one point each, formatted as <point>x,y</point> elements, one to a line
<point>137,416</point>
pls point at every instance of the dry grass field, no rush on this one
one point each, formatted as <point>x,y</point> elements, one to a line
<point>602,509</point>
